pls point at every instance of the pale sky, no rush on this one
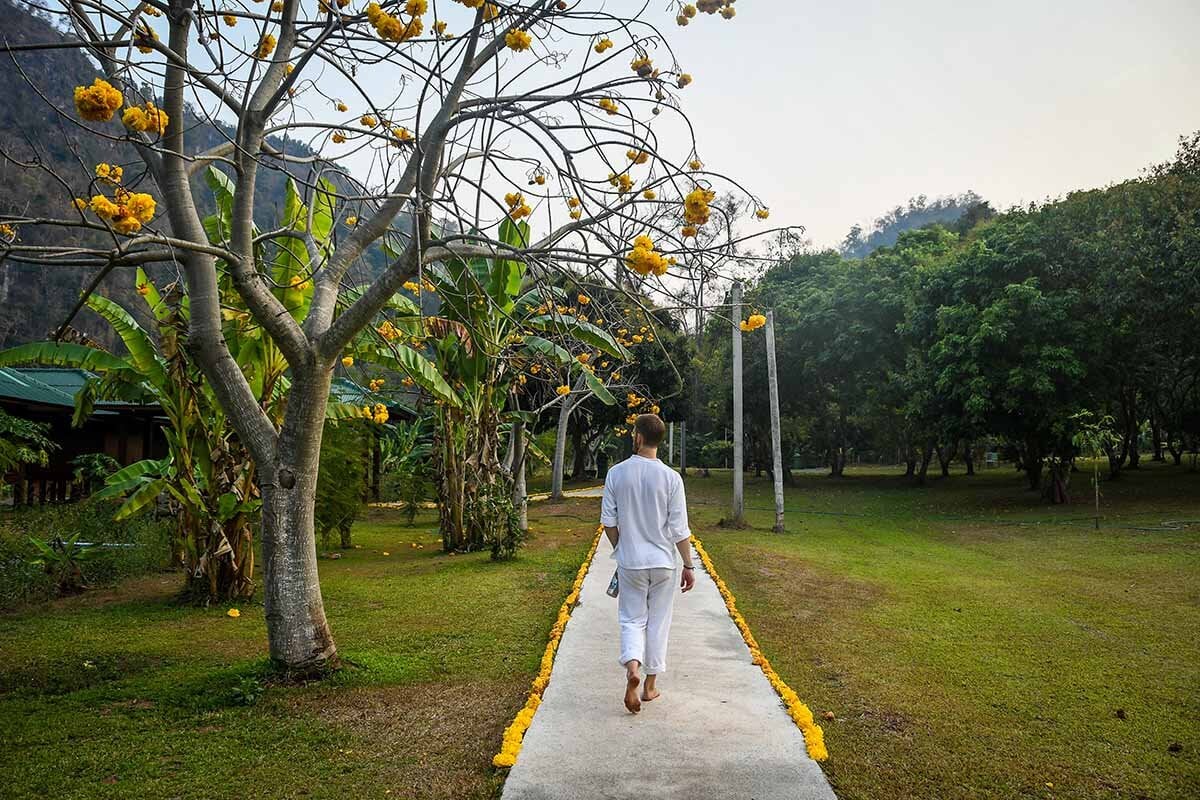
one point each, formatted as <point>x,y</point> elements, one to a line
<point>834,112</point>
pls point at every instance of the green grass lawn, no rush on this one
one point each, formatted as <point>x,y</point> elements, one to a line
<point>122,693</point>
<point>972,642</point>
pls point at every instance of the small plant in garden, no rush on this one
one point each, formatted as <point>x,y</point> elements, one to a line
<point>247,691</point>
<point>62,559</point>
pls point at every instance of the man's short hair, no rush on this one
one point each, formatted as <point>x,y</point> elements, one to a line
<point>651,428</point>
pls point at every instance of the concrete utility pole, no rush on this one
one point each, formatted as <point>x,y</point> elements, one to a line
<point>776,448</point>
<point>683,448</point>
<point>671,443</point>
<point>739,499</point>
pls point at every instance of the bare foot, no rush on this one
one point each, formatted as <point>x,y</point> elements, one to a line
<point>649,693</point>
<point>631,694</point>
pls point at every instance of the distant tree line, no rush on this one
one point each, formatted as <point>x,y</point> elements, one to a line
<point>1013,329</point>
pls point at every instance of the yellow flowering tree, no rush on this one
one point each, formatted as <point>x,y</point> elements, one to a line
<point>424,116</point>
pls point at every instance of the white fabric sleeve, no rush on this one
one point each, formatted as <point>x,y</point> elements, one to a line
<point>608,504</point>
<point>677,517</point>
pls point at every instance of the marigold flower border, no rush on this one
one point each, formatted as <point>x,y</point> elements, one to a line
<point>814,736</point>
<point>514,734</point>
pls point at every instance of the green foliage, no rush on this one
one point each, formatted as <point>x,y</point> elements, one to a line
<point>342,480</point>
<point>23,442</point>
<point>132,547</point>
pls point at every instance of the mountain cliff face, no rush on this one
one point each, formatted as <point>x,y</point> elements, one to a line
<point>46,160</point>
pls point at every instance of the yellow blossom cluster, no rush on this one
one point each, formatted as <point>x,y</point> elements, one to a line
<point>109,172</point>
<point>650,194</point>
<point>389,331</point>
<point>623,183</point>
<point>609,105</point>
<point>517,207</point>
<point>725,7</point>
<point>377,413</point>
<point>127,211</point>
<point>518,40</point>
<point>390,27</point>
<point>515,732</point>
<point>266,46</point>
<point>643,259</point>
<point>683,80</point>
<point>98,102</point>
<point>376,384</point>
<point>146,118</point>
<point>603,45</point>
<point>762,213</point>
<point>562,390</point>
<point>814,737</point>
<point>7,232</point>
<point>642,66</point>
<point>753,322</point>
<point>637,156</point>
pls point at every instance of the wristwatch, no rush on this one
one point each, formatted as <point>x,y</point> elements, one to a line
<point>689,566</point>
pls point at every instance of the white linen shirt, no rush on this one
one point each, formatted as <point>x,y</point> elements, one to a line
<point>644,500</point>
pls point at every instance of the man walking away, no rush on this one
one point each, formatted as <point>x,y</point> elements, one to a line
<point>644,513</point>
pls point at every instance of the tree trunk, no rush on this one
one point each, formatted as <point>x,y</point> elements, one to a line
<point>926,458</point>
<point>560,447</point>
<point>297,632</point>
<point>944,456</point>
<point>578,450</point>
<point>1156,440</point>
<point>520,498</point>
<point>969,457</point>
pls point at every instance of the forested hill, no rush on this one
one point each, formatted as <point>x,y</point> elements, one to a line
<point>34,300</point>
<point>961,211</point>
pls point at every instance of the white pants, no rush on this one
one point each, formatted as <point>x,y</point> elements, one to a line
<point>644,605</point>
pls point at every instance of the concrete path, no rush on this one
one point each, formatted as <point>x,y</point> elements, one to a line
<point>718,730</point>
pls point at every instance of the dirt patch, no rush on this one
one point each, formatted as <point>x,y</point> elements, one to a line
<point>433,741</point>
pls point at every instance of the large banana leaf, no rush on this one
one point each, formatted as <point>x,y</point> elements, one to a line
<point>62,354</point>
<point>599,389</point>
<point>146,287</point>
<point>409,362</point>
<point>506,273</point>
<point>536,345</point>
<point>324,210</point>
<point>141,347</point>
<point>585,332</point>
<point>291,263</point>
<point>141,498</point>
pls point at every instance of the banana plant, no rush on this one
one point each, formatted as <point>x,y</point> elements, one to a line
<point>490,329</point>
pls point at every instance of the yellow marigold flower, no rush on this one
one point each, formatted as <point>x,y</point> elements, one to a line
<point>266,46</point>
<point>518,40</point>
<point>416,8</point>
<point>103,207</point>
<point>603,45</point>
<point>351,221</point>
<point>98,102</point>
<point>563,390</point>
<point>609,105</point>
<point>762,213</point>
<point>650,194</point>
<point>683,80</point>
<point>230,20</point>
<point>347,361</point>
<point>109,172</point>
<point>233,612</point>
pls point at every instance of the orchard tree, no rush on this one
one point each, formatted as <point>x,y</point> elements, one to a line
<point>433,123</point>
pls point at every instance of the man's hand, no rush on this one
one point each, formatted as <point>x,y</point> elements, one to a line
<point>688,579</point>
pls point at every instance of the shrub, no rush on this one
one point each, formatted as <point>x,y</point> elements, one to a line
<point>115,550</point>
